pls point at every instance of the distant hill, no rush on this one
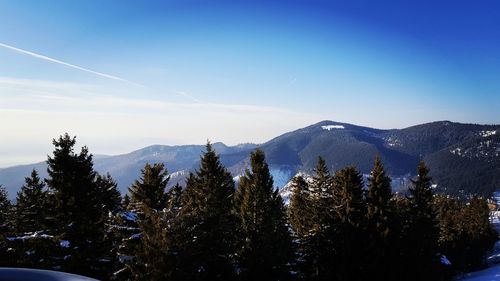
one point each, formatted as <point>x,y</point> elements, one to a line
<point>462,157</point>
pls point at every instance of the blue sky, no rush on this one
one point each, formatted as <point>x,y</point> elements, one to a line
<point>125,74</point>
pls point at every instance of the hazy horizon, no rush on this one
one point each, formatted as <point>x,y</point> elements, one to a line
<point>122,75</point>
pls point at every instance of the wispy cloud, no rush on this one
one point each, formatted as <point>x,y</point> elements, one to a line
<point>46,58</point>
<point>188,96</point>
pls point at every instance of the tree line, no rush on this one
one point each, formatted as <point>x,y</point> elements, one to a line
<point>335,226</point>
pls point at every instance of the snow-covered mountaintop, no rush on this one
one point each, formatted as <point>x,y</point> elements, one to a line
<point>332,127</point>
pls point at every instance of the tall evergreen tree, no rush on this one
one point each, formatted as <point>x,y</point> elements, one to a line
<point>300,216</point>
<point>264,243</point>
<point>206,224</point>
<point>78,209</point>
<point>150,189</point>
<point>157,255</point>
<point>422,230</point>
<point>318,243</point>
<point>6,256</point>
<point>349,227</point>
<point>5,212</point>
<point>31,242</point>
<point>30,205</point>
<point>148,198</point>
<point>379,221</point>
<point>301,220</point>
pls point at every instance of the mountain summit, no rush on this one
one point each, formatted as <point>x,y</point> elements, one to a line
<point>462,157</point>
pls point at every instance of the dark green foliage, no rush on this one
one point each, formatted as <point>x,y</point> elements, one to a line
<point>110,196</point>
<point>465,232</point>
<point>348,196</point>
<point>379,218</point>
<point>206,225</point>
<point>148,198</point>
<point>5,212</point>
<point>156,258</point>
<point>349,227</point>
<point>30,240</point>
<point>150,189</point>
<point>298,211</point>
<point>210,232</point>
<point>6,256</point>
<point>264,245</point>
<point>422,256</point>
<point>31,203</point>
<point>77,208</point>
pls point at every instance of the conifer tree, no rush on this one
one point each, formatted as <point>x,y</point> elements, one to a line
<point>264,243</point>
<point>206,225</point>
<point>31,241</point>
<point>5,212</point>
<point>422,230</point>
<point>110,196</point>
<point>150,189</point>
<point>30,205</point>
<point>378,221</point>
<point>6,256</point>
<point>318,243</point>
<point>299,213</point>
<point>148,198</point>
<point>349,227</point>
<point>156,258</point>
<point>77,206</point>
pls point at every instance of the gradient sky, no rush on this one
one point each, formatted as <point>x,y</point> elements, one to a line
<point>125,74</point>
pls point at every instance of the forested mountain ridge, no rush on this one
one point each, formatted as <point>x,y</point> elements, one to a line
<point>462,157</point>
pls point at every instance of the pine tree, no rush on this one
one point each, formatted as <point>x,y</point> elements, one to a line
<point>157,255</point>
<point>6,211</point>
<point>422,230</point>
<point>264,243</point>
<point>6,255</point>
<point>77,208</point>
<point>110,196</point>
<point>318,243</point>
<point>379,219</point>
<point>349,226</point>
<point>30,203</point>
<point>206,224</point>
<point>150,189</point>
<point>299,213</point>
<point>148,198</point>
<point>31,241</point>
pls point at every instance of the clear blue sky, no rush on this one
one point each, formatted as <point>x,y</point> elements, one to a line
<point>177,72</point>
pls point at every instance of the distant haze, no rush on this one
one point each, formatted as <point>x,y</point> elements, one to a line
<point>121,75</point>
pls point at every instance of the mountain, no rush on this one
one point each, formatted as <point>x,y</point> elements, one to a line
<point>462,157</point>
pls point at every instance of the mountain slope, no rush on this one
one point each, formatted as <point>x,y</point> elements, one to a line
<point>460,156</point>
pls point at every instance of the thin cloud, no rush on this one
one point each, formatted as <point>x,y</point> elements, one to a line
<point>35,55</point>
<point>188,96</point>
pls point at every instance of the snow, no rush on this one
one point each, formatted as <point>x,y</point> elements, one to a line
<point>331,127</point>
<point>130,216</point>
<point>36,234</point>
<point>64,243</point>
<point>487,133</point>
<point>445,260</point>
<point>135,236</point>
<point>489,274</point>
<point>39,274</point>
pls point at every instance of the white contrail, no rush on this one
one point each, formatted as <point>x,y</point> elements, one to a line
<point>188,96</point>
<point>68,64</point>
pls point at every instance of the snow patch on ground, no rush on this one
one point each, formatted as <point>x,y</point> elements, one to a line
<point>487,133</point>
<point>489,274</point>
<point>331,127</point>
<point>64,243</point>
